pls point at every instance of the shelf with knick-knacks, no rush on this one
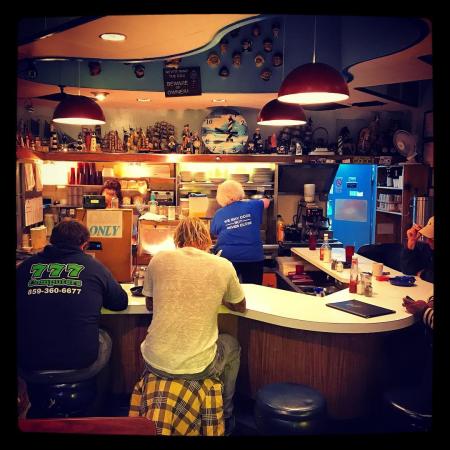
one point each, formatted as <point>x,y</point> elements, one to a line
<point>396,185</point>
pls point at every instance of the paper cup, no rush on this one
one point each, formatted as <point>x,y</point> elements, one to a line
<point>377,269</point>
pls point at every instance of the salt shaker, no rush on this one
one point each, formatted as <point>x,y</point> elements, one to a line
<point>339,266</point>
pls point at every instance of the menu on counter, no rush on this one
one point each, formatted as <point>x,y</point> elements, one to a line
<point>182,82</point>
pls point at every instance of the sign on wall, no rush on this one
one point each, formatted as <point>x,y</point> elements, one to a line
<point>182,82</point>
<point>104,223</point>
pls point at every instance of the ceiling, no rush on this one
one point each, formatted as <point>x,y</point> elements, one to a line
<point>150,38</point>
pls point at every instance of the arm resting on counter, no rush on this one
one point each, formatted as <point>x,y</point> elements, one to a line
<point>238,307</point>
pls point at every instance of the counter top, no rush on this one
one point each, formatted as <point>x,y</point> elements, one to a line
<point>306,312</point>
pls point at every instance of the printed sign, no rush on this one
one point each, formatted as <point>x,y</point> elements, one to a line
<point>182,82</point>
<point>338,184</point>
<point>104,223</point>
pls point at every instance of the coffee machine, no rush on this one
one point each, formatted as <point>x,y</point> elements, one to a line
<point>313,221</point>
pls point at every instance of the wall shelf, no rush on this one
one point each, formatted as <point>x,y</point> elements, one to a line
<point>388,187</point>
<point>389,212</point>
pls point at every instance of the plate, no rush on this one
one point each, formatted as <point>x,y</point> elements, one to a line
<point>217,180</point>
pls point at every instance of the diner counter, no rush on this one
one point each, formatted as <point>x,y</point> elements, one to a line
<point>292,337</point>
<point>306,312</point>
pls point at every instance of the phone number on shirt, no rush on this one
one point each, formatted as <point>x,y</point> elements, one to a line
<point>55,290</point>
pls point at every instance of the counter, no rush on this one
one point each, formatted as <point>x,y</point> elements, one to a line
<point>293,337</point>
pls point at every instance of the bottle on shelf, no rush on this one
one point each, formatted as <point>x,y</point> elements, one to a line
<point>325,250</point>
<point>93,143</point>
<point>352,287</point>
<point>388,177</point>
<point>153,203</point>
<point>280,228</point>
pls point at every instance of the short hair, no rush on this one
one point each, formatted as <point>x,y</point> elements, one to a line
<point>115,185</point>
<point>191,231</point>
<point>69,232</point>
<point>228,192</point>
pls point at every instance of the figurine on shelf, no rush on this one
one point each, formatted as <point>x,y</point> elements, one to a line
<point>284,140</point>
<point>258,141</point>
<point>307,136</point>
<point>236,60</point>
<point>186,138</point>
<point>375,136</point>
<point>196,143</point>
<point>345,145</point>
<point>273,143</point>
<point>126,140</point>
<point>172,144</point>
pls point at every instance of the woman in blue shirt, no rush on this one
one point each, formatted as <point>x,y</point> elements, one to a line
<point>237,227</point>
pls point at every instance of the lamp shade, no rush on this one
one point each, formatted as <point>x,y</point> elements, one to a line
<point>313,83</point>
<point>78,110</point>
<point>276,113</point>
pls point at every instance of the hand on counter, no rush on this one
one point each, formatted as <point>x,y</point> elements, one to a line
<point>238,307</point>
<point>417,307</point>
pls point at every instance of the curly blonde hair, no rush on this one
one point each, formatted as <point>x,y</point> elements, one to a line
<point>228,192</point>
<point>192,232</point>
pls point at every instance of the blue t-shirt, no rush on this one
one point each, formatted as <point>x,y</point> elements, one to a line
<point>237,227</point>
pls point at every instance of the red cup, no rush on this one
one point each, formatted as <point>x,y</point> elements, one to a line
<point>312,241</point>
<point>299,269</point>
<point>349,252</point>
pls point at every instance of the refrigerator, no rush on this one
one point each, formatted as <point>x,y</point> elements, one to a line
<point>352,203</point>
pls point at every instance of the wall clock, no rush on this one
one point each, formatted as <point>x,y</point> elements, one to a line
<point>224,130</point>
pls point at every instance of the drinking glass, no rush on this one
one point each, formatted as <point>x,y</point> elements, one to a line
<point>349,252</point>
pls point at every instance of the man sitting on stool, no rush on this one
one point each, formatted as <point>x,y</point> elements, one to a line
<point>60,293</point>
<point>186,287</point>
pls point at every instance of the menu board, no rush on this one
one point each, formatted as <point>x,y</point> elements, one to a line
<point>182,82</point>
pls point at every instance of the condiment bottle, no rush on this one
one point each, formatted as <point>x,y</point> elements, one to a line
<point>153,203</point>
<point>368,291</point>
<point>353,276</point>
<point>325,250</point>
<point>339,266</point>
<point>114,202</point>
<point>360,285</point>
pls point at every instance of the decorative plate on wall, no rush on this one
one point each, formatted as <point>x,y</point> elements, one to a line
<point>224,130</point>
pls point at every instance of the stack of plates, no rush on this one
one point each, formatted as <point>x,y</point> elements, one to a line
<point>217,180</point>
<point>200,177</point>
<point>240,177</point>
<point>262,176</point>
<point>186,175</point>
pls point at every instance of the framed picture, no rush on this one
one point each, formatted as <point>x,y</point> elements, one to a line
<point>428,126</point>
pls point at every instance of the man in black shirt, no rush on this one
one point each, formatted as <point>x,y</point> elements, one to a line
<point>60,293</point>
<point>417,257</point>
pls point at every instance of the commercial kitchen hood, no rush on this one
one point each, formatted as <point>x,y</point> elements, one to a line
<point>292,177</point>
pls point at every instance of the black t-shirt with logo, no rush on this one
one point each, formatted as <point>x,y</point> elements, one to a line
<point>60,293</point>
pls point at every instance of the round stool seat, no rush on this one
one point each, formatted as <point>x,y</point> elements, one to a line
<point>411,405</point>
<point>289,408</point>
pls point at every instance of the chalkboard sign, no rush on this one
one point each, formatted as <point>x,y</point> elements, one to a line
<point>182,82</point>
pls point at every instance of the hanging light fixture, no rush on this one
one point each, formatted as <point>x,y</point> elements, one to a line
<point>276,113</point>
<point>313,83</point>
<point>78,110</point>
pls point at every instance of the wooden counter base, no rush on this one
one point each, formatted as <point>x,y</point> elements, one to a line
<point>348,369</point>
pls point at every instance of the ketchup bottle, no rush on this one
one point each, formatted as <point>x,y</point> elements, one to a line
<point>352,287</point>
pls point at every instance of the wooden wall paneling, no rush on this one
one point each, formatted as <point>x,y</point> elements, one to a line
<point>127,332</point>
<point>346,368</point>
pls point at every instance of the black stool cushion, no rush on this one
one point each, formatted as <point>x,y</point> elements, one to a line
<point>290,401</point>
<point>411,402</point>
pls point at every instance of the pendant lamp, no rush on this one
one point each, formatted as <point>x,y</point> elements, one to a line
<point>276,113</point>
<point>78,110</point>
<point>313,83</point>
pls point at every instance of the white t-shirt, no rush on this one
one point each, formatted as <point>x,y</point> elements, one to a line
<point>187,286</point>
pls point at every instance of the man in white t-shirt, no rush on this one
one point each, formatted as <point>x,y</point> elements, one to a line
<point>185,288</point>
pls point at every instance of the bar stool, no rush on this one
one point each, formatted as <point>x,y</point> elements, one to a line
<point>409,408</point>
<point>290,408</point>
<point>67,393</point>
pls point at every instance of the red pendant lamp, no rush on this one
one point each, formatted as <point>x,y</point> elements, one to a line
<point>78,110</point>
<point>313,83</point>
<point>276,113</point>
